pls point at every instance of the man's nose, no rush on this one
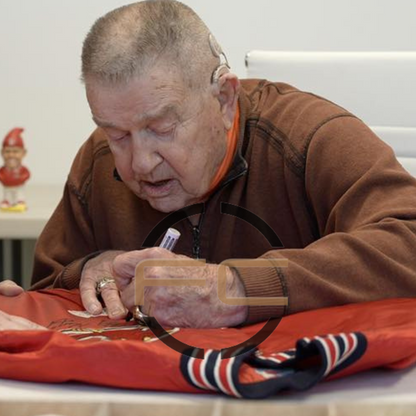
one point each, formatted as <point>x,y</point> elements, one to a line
<point>145,155</point>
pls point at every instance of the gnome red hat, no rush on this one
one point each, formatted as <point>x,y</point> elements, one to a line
<point>14,138</point>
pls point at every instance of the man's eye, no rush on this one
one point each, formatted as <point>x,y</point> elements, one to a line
<point>162,131</point>
<point>117,138</point>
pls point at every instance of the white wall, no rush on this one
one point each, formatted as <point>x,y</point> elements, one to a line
<point>40,44</point>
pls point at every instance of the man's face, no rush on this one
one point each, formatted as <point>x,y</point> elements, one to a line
<point>13,156</point>
<point>167,141</point>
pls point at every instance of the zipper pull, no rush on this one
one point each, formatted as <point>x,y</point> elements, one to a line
<point>196,249</point>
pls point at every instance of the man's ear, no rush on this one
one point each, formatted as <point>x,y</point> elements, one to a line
<point>228,88</point>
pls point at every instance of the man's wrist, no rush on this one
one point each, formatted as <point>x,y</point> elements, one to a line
<point>235,289</point>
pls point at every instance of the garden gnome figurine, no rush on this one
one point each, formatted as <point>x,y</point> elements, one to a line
<point>12,174</point>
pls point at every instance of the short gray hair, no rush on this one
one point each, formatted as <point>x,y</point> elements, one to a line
<point>128,40</point>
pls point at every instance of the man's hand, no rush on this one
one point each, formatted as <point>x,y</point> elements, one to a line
<point>183,306</point>
<point>93,272</point>
<point>17,323</point>
<point>10,288</point>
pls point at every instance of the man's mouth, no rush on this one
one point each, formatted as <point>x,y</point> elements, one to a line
<point>157,188</point>
<point>157,183</point>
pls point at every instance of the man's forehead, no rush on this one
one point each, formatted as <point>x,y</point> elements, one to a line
<point>168,110</point>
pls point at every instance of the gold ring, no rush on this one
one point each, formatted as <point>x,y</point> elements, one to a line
<point>102,283</point>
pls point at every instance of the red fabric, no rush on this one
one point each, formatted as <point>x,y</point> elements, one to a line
<point>14,177</point>
<point>387,330</point>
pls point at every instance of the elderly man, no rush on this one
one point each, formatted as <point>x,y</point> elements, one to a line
<point>179,141</point>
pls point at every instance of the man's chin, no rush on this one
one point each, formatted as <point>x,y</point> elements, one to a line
<point>165,205</point>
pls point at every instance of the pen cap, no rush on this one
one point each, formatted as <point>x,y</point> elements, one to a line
<point>170,239</point>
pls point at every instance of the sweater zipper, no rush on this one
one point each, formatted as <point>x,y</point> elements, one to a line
<point>196,246</point>
<point>196,234</point>
<point>196,229</point>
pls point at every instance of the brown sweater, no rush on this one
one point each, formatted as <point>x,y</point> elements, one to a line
<point>342,206</point>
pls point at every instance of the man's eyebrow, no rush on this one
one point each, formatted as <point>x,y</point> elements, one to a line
<point>159,113</point>
<point>103,123</point>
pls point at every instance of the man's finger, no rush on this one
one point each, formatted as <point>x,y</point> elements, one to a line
<point>87,288</point>
<point>128,296</point>
<point>111,298</point>
<point>124,265</point>
<point>17,323</point>
<point>10,288</point>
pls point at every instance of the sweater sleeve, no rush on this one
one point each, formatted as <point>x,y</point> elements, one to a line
<point>67,241</point>
<point>65,244</point>
<point>364,203</point>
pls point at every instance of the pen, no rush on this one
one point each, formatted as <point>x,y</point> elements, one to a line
<point>170,239</point>
<point>168,242</point>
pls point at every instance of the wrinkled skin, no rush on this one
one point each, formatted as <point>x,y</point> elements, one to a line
<point>167,142</point>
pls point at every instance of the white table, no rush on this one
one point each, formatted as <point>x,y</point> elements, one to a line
<point>41,201</point>
<point>376,392</point>
<point>19,230</point>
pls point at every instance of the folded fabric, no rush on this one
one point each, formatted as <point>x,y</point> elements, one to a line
<point>303,350</point>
